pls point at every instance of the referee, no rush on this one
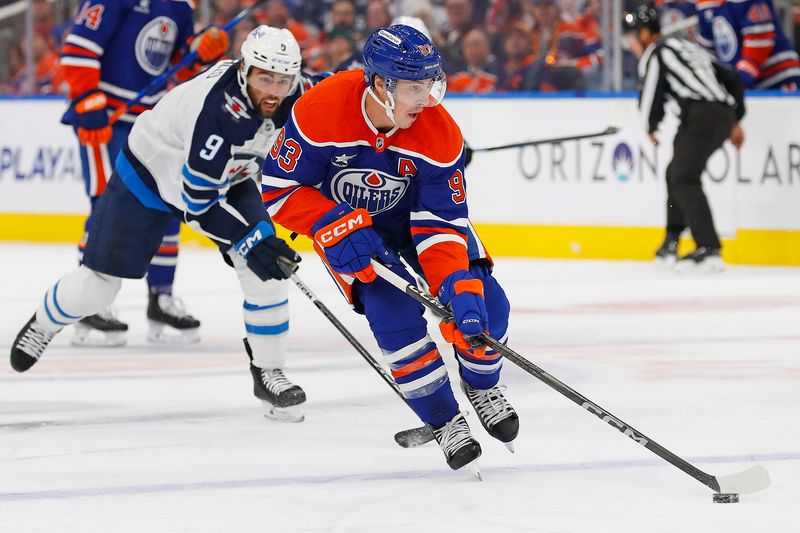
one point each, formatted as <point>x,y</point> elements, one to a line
<point>675,73</point>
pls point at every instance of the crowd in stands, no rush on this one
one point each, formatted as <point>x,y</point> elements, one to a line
<point>487,45</point>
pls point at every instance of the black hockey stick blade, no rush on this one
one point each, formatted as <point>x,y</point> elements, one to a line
<point>611,130</point>
<point>411,438</point>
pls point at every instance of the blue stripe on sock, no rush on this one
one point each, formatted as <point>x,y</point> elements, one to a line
<point>50,315</point>
<point>267,330</point>
<point>253,307</point>
<point>58,307</point>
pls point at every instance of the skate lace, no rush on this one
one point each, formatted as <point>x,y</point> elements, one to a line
<point>172,306</point>
<point>34,341</point>
<point>275,381</point>
<point>109,314</point>
<point>490,404</point>
<point>453,435</point>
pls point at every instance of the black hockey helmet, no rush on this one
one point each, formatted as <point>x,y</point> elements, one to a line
<point>644,16</point>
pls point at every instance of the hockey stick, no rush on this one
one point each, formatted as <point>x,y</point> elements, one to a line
<point>754,479</point>
<point>611,130</point>
<point>408,438</point>
<point>158,82</point>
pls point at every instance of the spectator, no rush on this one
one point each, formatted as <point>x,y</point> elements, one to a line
<point>279,16</point>
<point>503,15</point>
<point>557,46</point>
<point>516,73</point>
<point>378,16</point>
<point>343,15</point>
<point>340,52</point>
<point>224,11</point>
<point>479,76</point>
<point>459,23</point>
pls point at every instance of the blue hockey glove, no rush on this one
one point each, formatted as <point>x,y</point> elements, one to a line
<point>349,241</point>
<point>464,295</point>
<point>262,250</point>
<point>89,112</point>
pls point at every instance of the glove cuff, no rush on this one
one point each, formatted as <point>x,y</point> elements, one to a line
<point>258,233</point>
<point>89,101</point>
<point>448,287</point>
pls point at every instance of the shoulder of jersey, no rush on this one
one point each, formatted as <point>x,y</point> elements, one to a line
<point>223,101</point>
<point>434,135</point>
<point>331,114</point>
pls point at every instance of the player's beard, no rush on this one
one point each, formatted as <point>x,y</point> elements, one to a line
<point>268,106</point>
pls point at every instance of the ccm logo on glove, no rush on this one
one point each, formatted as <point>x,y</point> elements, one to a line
<point>259,233</point>
<point>334,233</point>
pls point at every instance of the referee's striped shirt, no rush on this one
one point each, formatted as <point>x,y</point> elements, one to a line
<point>674,72</point>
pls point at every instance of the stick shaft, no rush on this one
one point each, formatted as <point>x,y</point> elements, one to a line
<point>362,351</point>
<point>554,383</point>
<point>611,130</point>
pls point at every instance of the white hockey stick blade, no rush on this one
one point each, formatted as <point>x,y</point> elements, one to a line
<point>753,479</point>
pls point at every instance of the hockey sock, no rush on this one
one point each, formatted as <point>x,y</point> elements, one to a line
<point>80,293</point>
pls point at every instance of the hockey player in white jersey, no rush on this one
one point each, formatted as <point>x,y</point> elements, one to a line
<point>198,153</point>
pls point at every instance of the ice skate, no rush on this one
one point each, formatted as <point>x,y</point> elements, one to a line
<point>495,413</point>
<point>701,260</point>
<point>282,399</point>
<point>169,322</point>
<point>667,254</point>
<point>459,448</point>
<point>29,345</point>
<point>102,329</point>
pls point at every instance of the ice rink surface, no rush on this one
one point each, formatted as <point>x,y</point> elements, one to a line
<point>149,438</point>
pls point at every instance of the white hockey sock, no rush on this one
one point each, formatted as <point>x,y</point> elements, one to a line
<point>266,317</point>
<point>80,293</point>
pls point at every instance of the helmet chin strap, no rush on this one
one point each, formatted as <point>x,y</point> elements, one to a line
<point>387,106</point>
<point>242,78</point>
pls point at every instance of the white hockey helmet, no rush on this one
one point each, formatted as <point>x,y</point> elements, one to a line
<point>272,49</point>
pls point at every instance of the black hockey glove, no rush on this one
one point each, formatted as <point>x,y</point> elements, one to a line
<point>262,251</point>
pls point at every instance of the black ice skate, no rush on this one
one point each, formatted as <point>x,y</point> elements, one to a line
<point>169,321</point>
<point>459,448</point>
<point>281,398</point>
<point>102,329</point>
<point>495,413</point>
<point>29,345</point>
<point>702,259</point>
<point>667,254</point>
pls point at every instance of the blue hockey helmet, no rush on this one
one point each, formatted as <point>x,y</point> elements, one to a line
<point>403,53</point>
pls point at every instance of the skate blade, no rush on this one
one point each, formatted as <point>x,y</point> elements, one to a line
<point>293,414</point>
<point>709,266</point>
<point>665,263</point>
<point>162,334</point>
<point>475,470</point>
<point>510,446</point>
<point>94,338</point>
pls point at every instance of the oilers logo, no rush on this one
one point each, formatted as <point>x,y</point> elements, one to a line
<point>155,45</point>
<point>373,190</point>
<point>725,40</point>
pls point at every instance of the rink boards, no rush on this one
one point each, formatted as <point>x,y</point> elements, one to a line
<point>600,198</point>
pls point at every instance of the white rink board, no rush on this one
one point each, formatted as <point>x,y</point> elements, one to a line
<point>574,183</point>
<point>619,180</point>
<point>40,169</point>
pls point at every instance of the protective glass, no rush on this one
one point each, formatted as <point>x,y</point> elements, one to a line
<point>422,93</point>
<point>271,83</point>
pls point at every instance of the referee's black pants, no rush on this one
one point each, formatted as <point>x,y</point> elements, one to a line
<point>704,127</point>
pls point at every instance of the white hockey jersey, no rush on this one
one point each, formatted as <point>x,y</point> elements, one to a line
<point>202,140</point>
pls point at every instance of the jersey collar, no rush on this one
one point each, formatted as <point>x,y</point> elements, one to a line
<point>381,140</point>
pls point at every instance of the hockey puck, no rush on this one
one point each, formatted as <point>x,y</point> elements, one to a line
<point>721,497</point>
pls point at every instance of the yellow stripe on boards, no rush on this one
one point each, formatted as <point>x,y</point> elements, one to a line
<point>750,247</point>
